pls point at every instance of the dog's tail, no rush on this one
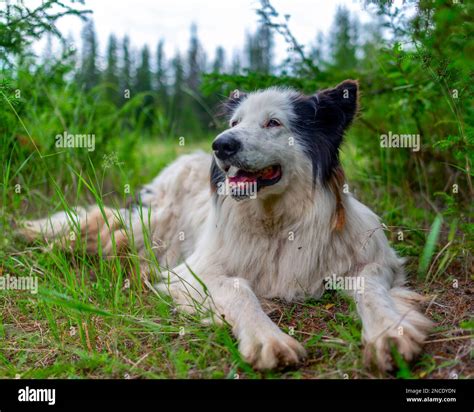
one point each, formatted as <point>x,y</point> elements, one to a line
<point>97,227</point>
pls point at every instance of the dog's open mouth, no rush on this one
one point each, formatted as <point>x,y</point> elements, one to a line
<point>261,178</point>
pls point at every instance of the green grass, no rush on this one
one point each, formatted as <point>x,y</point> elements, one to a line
<point>86,323</point>
<point>95,318</point>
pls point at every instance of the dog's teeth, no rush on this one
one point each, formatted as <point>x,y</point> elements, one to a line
<point>232,171</point>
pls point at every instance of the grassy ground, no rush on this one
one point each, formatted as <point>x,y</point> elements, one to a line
<point>95,319</point>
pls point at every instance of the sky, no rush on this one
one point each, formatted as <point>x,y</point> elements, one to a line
<point>219,22</point>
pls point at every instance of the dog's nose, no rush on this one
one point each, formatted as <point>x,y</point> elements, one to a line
<point>226,146</point>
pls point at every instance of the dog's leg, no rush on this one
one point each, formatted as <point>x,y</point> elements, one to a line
<point>110,232</point>
<point>389,316</point>
<point>261,342</point>
<point>97,227</point>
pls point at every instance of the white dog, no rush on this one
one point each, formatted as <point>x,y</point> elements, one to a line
<point>274,222</point>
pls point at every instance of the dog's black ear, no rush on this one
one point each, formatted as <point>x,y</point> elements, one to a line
<point>320,122</point>
<point>235,98</point>
<point>337,107</point>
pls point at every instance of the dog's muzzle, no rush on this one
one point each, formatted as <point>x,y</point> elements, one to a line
<point>226,146</point>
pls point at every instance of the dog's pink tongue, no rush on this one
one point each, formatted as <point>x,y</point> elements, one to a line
<point>242,179</point>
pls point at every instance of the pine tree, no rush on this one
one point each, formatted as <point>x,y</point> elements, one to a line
<point>126,68</point>
<point>374,39</point>
<point>195,114</point>
<point>236,65</point>
<point>89,73</point>
<point>259,50</point>
<point>343,41</point>
<point>194,61</point>
<point>143,84</point>
<point>177,91</point>
<point>161,73</point>
<point>111,75</point>
<point>219,60</point>
<point>317,52</point>
<point>178,71</point>
<point>143,76</point>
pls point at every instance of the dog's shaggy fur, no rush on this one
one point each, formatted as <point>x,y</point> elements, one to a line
<point>220,251</point>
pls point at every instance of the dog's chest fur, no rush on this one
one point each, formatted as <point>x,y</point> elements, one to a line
<point>279,257</point>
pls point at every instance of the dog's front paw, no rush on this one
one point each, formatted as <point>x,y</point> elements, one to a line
<point>378,350</point>
<point>270,349</point>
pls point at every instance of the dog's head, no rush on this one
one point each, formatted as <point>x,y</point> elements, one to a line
<point>276,135</point>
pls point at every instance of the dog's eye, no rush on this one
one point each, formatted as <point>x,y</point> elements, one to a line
<point>234,123</point>
<point>273,123</point>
